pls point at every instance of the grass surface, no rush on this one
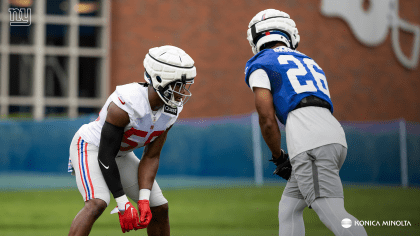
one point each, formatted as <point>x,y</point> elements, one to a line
<point>208,211</point>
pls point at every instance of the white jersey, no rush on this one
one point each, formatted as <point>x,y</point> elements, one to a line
<point>308,127</point>
<point>144,126</point>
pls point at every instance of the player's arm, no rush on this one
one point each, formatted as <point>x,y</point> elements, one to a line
<point>149,162</point>
<point>270,131</point>
<point>111,137</point>
<point>148,168</point>
<point>267,119</point>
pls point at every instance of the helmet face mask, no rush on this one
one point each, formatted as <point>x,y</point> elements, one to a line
<point>269,26</point>
<point>171,72</point>
<point>178,93</point>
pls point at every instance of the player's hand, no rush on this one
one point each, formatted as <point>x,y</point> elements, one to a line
<point>129,219</point>
<point>284,168</point>
<point>145,213</point>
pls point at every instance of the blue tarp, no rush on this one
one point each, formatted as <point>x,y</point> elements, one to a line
<point>213,147</point>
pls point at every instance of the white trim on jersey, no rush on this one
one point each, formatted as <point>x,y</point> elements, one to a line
<point>259,78</point>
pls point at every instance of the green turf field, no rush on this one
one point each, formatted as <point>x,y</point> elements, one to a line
<point>208,211</point>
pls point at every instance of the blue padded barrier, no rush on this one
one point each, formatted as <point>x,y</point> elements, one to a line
<point>214,147</point>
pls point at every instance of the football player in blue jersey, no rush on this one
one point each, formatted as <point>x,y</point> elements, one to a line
<point>292,87</point>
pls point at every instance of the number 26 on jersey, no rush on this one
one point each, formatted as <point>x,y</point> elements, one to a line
<point>309,79</point>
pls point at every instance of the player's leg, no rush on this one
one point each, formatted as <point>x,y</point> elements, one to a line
<point>291,209</point>
<point>159,225</point>
<point>330,204</point>
<point>291,216</point>
<point>331,212</point>
<point>91,185</point>
<point>83,222</point>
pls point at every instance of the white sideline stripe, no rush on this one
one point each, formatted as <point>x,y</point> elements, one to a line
<point>256,146</point>
<point>403,154</point>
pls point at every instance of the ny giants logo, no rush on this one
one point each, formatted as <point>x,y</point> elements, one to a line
<point>371,27</point>
<point>20,16</point>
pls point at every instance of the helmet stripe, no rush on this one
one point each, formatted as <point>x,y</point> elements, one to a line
<point>270,18</point>
<point>259,36</point>
<point>182,67</point>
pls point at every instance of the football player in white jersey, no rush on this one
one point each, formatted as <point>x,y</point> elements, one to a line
<point>292,87</point>
<point>135,115</point>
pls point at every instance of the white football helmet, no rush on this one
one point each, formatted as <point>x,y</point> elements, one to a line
<point>272,25</point>
<point>169,69</point>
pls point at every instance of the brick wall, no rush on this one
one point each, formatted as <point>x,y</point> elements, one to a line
<point>366,83</point>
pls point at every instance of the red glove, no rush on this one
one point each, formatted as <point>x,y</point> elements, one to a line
<point>129,218</point>
<point>145,213</point>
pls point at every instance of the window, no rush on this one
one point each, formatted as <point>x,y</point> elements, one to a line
<point>21,74</point>
<point>57,65</point>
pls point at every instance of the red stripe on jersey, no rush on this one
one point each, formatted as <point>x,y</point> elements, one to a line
<point>87,168</point>
<point>80,168</point>
<point>267,33</point>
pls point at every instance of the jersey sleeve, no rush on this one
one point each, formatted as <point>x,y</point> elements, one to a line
<point>123,97</point>
<point>259,78</point>
<point>255,63</point>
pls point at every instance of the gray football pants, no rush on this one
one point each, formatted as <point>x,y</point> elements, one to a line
<point>315,182</point>
<point>329,210</point>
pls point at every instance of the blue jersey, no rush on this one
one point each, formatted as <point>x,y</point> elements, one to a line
<point>292,75</point>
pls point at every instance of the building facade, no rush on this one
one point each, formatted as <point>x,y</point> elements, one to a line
<point>75,53</point>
